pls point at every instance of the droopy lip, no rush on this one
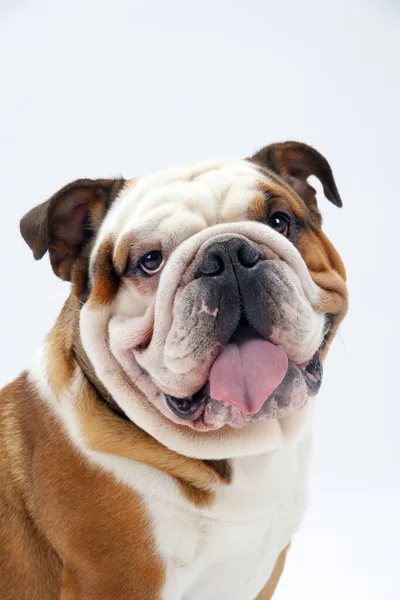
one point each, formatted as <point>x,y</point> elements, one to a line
<point>192,408</point>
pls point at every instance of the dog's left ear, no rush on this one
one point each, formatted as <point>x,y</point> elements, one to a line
<point>295,162</point>
<point>68,220</point>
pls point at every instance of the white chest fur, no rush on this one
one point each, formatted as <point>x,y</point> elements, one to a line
<point>229,549</point>
<point>226,550</point>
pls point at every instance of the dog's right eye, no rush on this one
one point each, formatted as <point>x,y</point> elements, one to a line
<point>152,262</point>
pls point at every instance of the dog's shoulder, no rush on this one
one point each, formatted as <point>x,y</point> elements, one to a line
<point>15,424</point>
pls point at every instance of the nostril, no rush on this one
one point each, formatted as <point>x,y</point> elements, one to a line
<point>228,255</point>
<point>212,264</point>
<point>248,255</point>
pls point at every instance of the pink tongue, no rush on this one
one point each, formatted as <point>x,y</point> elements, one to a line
<point>246,373</point>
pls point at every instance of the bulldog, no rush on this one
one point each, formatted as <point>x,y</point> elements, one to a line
<point>158,446</point>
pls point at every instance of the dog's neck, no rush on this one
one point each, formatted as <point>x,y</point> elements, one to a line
<point>65,344</point>
<point>89,373</point>
<point>105,426</point>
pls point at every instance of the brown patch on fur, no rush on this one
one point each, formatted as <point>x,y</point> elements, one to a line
<point>269,589</point>
<point>199,498</point>
<point>106,281</point>
<point>61,369</point>
<point>223,468</point>
<point>257,208</point>
<point>121,253</point>
<point>327,270</point>
<point>66,527</point>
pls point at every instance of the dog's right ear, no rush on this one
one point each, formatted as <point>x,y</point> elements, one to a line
<point>68,220</point>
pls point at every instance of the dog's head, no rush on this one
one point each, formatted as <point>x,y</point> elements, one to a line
<point>209,294</point>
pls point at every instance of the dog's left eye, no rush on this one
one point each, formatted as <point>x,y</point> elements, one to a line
<point>152,262</point>
<point>280,222</point>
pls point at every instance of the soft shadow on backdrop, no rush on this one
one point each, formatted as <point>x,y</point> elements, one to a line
<point>97,88</point>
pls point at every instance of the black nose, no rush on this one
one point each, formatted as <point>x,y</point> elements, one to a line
<point>232,252</point>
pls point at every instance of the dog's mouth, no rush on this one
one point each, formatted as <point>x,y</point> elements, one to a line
<point>253,378</point>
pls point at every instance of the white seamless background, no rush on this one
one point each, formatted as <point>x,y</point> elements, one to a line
<point>97,89</point>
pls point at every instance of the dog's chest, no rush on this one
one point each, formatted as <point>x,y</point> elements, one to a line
<point>229,549</point>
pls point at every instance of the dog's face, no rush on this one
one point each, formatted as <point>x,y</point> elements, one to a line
<point>210,294</point>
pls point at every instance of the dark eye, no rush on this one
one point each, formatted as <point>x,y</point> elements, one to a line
<point>280,222</point>
<point>152,262</point>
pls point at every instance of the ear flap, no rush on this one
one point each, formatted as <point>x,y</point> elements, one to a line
<point>295,162</point>
<point>64,224</point>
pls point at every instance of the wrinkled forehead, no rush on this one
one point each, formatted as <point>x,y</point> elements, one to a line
<point>175,201</point>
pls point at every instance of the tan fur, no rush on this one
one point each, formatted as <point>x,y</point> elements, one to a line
<point>323,261</point>
<point>60,343</point>
<point>121,253</point>
<point>62,521</point>
<point>327,270</point>
<point>106,283</point>
<point>270,587</point>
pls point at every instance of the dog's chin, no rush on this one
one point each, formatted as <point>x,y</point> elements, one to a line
<point>233,399</point>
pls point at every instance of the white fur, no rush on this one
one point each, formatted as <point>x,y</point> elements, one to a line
<point>205,188</point>
<point>226,551</point>
<point>229,550</point>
